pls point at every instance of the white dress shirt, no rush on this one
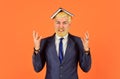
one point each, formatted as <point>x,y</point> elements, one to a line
<point>57,40</point>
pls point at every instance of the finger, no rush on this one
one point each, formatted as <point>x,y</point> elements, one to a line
<point>40,38</point>
<point>85,40</point>
<point>82,40</point>
<point>34,34</point>
<point>37,36</point>
<point>87,36</point>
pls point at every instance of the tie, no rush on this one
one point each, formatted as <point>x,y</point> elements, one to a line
<point>61,50</point>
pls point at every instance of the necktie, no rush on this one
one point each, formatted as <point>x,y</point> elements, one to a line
<point>61,50</point>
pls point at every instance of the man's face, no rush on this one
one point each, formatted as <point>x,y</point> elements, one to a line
<point>62,26</point>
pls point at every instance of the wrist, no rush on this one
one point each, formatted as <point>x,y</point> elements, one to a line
<point>36,50</point>
<point>87,51</point>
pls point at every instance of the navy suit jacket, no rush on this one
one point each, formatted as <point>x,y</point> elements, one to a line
<point>68,69</point>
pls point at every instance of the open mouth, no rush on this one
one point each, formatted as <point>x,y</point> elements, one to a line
<point>61,30</point>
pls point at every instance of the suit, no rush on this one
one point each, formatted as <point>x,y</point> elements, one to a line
<point>74,55</point>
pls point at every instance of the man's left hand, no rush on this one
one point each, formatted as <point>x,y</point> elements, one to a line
<point>85,41</point>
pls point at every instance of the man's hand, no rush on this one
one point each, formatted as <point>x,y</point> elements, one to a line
<point>86,41</point>
<point>37,40</point>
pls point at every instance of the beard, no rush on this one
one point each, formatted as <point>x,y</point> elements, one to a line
<point>61,32</point>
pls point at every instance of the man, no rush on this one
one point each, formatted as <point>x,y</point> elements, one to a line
<point>62,51</point>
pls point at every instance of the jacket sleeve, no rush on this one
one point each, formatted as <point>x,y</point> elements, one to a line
<point>38,59</point>
<point>84,59</point>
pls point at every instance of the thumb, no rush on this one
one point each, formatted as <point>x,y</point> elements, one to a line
<point>82,40</point>
<point>40,38</point>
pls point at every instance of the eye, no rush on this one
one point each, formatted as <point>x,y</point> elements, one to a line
<point>57,22</point>
<point>65,22</point>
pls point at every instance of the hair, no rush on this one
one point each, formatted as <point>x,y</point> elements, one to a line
<point>63,14</point>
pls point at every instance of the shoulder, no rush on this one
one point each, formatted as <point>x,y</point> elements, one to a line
<point>48,38</point>
<point>77,40</point>
<point>74,37</point>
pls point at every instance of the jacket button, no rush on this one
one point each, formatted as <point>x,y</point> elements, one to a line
<point>61,67</point>
<point>60,76</point>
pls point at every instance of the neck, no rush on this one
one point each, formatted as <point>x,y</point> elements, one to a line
<point>62,35</point>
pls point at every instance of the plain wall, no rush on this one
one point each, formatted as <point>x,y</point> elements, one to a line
<point>18,18</point>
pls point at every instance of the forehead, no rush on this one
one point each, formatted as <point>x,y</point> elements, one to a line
<point>61,19</point>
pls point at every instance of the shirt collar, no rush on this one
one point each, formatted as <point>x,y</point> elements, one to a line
<point>58,37</point>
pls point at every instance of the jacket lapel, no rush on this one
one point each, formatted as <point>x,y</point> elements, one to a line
<point>70,45</point>
<point>53,48</point>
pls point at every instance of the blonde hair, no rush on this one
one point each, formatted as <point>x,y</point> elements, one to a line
<point>63,14</point>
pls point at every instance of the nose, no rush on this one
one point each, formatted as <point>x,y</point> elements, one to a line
<point>61,25</point>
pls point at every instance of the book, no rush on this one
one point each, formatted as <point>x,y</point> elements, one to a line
<point>61,10</point>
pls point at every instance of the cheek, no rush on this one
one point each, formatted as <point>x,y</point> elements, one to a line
<point>56,25</point>
<point>66,26</point>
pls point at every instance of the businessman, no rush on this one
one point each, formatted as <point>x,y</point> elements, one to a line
<point>62,52</point>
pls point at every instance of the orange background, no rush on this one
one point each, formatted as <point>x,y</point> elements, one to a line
<point>18,18</point>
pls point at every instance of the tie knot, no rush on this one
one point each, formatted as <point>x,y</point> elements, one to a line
<point>61,39</point>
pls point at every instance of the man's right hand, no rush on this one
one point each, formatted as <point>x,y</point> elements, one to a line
<point>37,40</point>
